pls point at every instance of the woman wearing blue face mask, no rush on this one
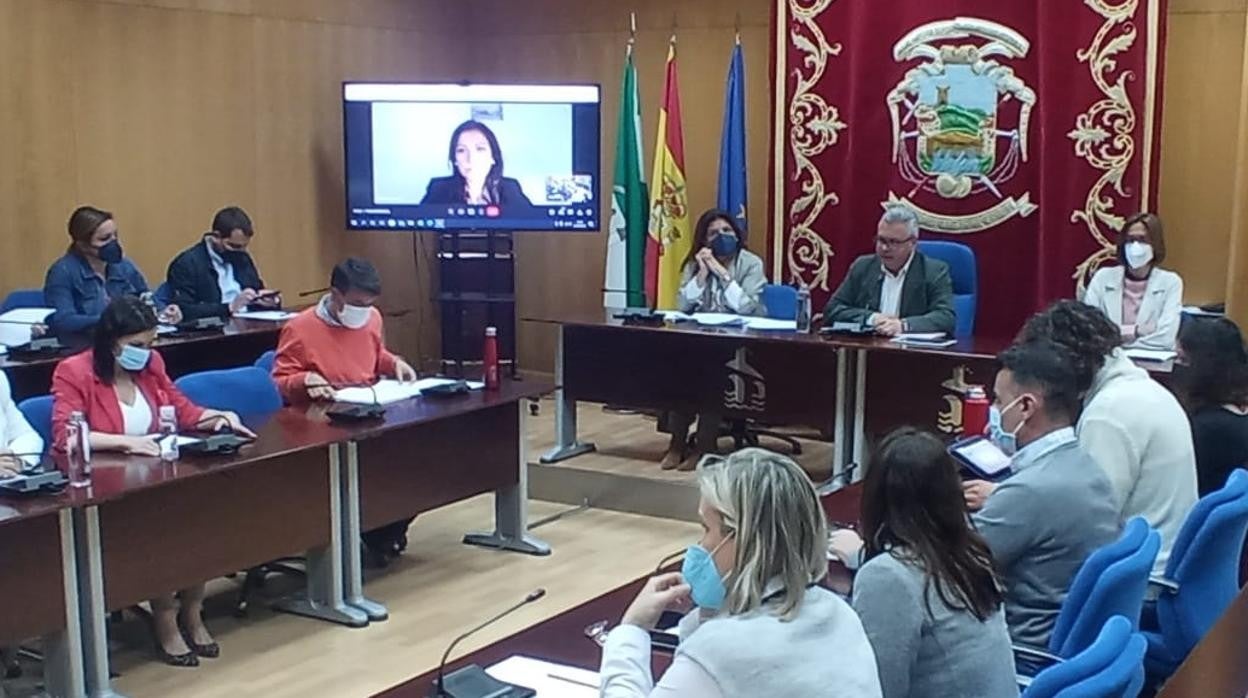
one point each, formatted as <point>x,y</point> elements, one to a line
<point>762,625</point>
<point>1142,299</point>
<point>719,274</point>
<point>119,385</point>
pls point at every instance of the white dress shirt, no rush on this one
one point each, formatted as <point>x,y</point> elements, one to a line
<point>625,671</point>
<point>16,434</point>
<point>229,286</point>
<point>890,289</point>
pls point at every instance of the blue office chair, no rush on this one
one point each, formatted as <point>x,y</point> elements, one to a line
<point>38,411</point>
<point>780,301</point>
<point>965,277</point>
<point>23,298</point>
<point>1111,667</point>
<point>1111,582</point>
<point>1202,575</point>
<point>265,362</point>
<point>248,390</point>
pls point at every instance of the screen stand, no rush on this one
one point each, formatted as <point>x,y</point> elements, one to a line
<point>476,289</point>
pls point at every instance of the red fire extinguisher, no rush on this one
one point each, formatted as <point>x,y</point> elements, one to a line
<point>490,358</point>
<point>975,410</point>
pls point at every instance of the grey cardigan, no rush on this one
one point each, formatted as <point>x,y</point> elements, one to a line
<point>945,654</point>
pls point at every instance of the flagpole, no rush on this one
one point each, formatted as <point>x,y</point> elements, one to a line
<point>632,32</point>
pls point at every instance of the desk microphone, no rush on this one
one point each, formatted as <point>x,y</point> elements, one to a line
<point>313,292</point>
<point>472,681</point>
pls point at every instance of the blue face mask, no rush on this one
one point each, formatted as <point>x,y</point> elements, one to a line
<point>725,245</point>
<point>134,358</point>
<point>705,585</point>
<point>1007,441</point>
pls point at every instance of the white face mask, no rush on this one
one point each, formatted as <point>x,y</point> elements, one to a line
<point>354,316</point>
<point>1138,254</point>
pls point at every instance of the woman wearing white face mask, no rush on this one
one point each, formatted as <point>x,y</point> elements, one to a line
<point>763,626</point>
<point>1145,301</point>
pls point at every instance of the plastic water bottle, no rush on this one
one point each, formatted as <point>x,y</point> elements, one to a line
<point>168,433</point>
<point>78,450</point>
<point>803,309</point>
<point>489,356</point>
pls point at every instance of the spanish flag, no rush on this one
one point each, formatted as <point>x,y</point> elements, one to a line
<point>671,236</point>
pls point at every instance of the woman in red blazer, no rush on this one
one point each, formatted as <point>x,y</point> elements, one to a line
<point>120,385</point>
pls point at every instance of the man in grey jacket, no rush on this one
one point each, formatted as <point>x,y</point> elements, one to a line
<point>898,289</point>
<point>1057,507</point>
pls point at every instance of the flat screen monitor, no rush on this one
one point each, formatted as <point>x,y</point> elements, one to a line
<point>443,157</point>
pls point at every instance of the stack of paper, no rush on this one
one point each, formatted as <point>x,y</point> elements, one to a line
<point>388,391</point>
<point>925,339</point>
<point>675,316</point>
<point>766,323</point>
<point>550,680</point>
<point>15,325</point>
<point>718,319</point>
<point>266,315</point>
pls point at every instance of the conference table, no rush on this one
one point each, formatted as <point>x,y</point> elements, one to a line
<point>563,639</point>
<point>306,486</point>
<point>851,388</point>
<point>239,343</point>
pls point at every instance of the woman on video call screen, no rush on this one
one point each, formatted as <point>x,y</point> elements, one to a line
<point>477,164</point>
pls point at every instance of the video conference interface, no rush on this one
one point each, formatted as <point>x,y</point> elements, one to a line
<point>472,157</point>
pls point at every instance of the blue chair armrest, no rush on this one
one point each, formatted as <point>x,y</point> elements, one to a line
<point>1027,652</point>
<point>1168,586</point>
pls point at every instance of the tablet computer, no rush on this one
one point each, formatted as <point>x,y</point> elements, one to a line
<point>982,458</point>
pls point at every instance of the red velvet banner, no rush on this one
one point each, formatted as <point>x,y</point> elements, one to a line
<point>1026,129</point>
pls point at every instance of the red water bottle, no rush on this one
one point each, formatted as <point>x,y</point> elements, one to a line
<point>489,357</point>
<point>975,410</point>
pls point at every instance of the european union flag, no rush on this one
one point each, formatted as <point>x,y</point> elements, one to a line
<point>732,182</point>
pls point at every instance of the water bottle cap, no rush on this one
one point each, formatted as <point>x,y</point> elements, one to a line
<point>167,411</point>
<point>491,332</point>
<point>976,391</point>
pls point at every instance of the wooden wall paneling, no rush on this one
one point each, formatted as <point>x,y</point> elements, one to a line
<point>37,145</point>
<point>1203,80</point>
<point>1237,263</point>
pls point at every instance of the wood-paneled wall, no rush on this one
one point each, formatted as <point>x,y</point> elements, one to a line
<point>165,110</point>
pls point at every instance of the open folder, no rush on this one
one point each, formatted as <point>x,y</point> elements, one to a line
<point>389,390</point>
<point>550,680</point>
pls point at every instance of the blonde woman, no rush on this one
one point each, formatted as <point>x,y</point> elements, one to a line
<point>762,625</point>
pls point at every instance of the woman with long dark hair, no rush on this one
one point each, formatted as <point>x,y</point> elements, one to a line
<point>120,386</point>
<point>927,594</point>
<point>1212,382</point>
<point>719,276</point>
<point>476,162</point>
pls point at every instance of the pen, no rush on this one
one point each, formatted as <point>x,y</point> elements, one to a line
<point>571,681</point>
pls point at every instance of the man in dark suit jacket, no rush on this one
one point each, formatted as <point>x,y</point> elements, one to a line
<point>216,277</point>
<point>898,289</point>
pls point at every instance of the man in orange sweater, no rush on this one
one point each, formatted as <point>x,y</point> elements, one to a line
<point>338,342</point>
<point>335,344</point>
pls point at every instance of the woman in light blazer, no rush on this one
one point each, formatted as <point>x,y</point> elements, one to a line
<point>1144,300</point>
<point>20,444</point>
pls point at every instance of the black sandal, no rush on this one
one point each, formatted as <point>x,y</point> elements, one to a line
<point>211,650</point>
<point>186,660</point>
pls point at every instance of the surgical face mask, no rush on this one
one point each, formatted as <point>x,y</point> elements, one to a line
<point>134,358</point>
<point>232,257</point>
<point>699,571</point>
<point>1138,254</point>
<point>354,316</point>
<point>725,245</point>
<point>1007,441</point>
<point>110,253</point>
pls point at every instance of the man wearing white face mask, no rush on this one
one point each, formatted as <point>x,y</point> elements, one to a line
<point>339,341</point>
<point>1145,301</point>
<point>1057,507</point>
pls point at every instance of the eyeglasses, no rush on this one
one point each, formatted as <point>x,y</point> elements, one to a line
<point>888,243</point>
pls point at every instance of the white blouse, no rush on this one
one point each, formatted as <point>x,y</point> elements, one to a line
<point>16,434</point>
<point>137,418</point>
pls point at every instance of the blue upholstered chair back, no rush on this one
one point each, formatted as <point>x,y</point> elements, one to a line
<point>780,301</point>
<point>38,411</point>
<point>965,276</point>
<point>1205,563</point>
<point>265,362</point>
<point>1112,666</point>
<point>23,298</point>
<point>1111,582</point>
<point>248,390</point>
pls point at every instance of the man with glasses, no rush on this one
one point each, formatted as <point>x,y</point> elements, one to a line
<point>898,289</point>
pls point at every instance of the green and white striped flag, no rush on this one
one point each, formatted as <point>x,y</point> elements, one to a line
<point>625,281</point>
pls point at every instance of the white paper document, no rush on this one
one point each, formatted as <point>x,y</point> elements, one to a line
<point>1157,355</point>
<point>766,323</point>
<point>550,680</point>
<point>675,316</point>
<point>919,336</point>
<point>265,315</point>
<point>15,325</point>
<point>389,391</point>
<point>718,319</point>
<point>165,329</point>
<point>1197,310</point>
